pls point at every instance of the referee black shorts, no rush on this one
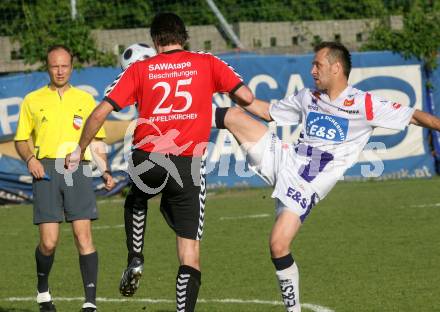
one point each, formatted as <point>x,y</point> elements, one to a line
<point>55,201</point>
<point>180,179</point>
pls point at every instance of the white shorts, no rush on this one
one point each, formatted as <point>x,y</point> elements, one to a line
<point>275,162</point>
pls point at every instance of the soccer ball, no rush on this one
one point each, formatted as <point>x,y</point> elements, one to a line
<point>136,52</point>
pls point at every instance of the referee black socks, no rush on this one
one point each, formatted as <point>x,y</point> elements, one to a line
<point>88,265</point>
<point>44,264</point>
<point>188,282</point>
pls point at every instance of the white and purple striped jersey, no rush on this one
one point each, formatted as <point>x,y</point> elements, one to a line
<point>334,133</point>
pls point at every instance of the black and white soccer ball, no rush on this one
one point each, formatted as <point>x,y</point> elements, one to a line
<point>136,52</point>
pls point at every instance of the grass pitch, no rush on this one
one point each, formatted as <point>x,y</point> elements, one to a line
<point>368,246</point>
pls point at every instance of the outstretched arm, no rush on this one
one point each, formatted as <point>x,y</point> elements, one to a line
<point>426,120</point>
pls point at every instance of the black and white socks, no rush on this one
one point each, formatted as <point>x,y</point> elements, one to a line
<point>288,279</point>
<point>188,282</point>
<point>135,216</point>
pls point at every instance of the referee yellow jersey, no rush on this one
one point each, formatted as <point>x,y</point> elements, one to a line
<point>55,122</point>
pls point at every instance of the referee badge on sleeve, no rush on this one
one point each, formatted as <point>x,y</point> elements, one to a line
<point>77,122</point>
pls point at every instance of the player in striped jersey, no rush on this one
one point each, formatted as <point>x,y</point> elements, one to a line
<point>337,121</point>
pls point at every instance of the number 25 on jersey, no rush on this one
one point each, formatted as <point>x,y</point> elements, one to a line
<point>161,109</point>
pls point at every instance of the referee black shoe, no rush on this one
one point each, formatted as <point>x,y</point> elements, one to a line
<point>88,310</point>
<point>47,307</point>
<point>130,277</point>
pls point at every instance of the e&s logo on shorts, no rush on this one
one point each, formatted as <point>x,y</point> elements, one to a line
<point>326,127</point>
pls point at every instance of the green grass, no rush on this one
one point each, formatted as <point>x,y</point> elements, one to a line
<point>369,246</point>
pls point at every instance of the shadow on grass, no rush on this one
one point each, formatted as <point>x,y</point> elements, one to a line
<point>2,309</point>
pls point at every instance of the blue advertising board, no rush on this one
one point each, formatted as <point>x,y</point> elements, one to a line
<point>389,154</point>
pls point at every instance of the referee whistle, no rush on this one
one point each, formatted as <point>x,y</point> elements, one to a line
<point>46,177</point>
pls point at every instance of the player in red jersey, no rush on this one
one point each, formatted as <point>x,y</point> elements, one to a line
<point>174,94</point>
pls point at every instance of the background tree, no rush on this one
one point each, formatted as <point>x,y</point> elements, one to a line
<point>398,6</point>
<point>337,9</point>
<point>294,10</point>
<point>10,11</point>
<point>419,38</point>
<point>49,22</point>
<point>115,14</point>
<point>36,24</point>
<point>193,12</point>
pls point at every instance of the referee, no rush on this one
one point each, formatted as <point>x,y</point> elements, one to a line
<point>54,116</point>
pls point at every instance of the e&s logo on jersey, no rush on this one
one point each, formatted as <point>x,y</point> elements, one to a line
<point>326,127</point>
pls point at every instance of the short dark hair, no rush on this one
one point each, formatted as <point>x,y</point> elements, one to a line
<point>59,47</point>
<point>337,51</point>
<point>168,28</point>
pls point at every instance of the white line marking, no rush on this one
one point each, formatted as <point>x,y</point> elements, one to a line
<point>106,227</point>
<point>100,227</point>
<point>263,215</point>
<point>112,200</point>
<point>425,205</point>
<point>316,308</point>
<point>101,201</point>
<point>312,307</point>
<point>8,206</point>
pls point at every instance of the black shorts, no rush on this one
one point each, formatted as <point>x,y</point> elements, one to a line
<point>181,180</point>
<point>55,201</point>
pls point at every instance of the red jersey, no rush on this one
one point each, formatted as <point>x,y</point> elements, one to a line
<point>173,92</point>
